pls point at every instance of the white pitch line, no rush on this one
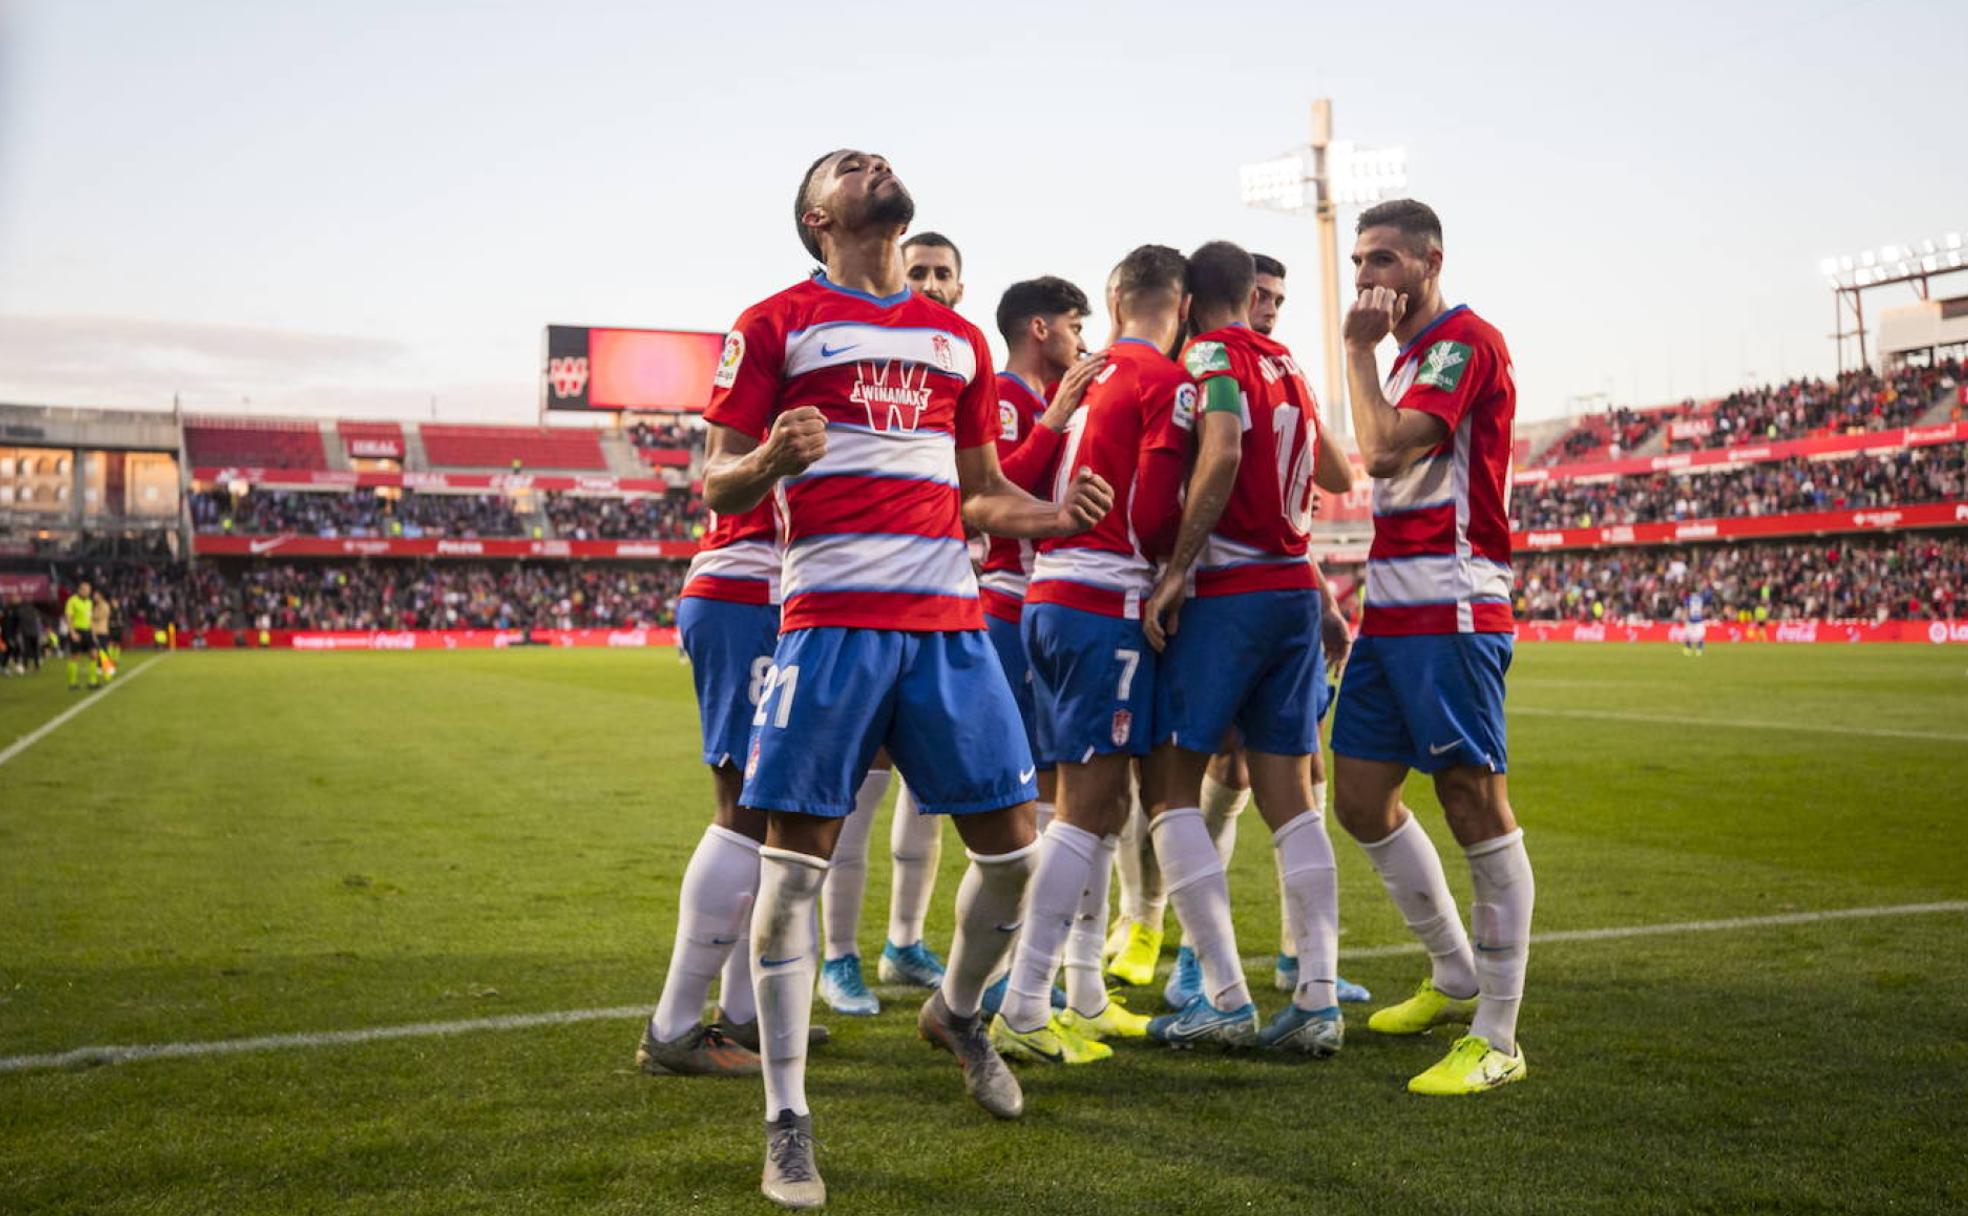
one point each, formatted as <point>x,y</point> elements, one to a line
<point>48,728</point>
<point>1818,728</point>
<point>522,1021</point>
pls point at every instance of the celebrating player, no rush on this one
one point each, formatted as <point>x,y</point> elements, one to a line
<point>1424,689</point>
<point>1094,673</point>
<point>727,624</point>
<point>1247,652</point>
<point>868,411</point>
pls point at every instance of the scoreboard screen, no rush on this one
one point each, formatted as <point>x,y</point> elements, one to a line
<point>629,369</point>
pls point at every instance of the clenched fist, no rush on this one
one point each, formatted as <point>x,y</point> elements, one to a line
<point>798,439</point>
<point>1087,502</point>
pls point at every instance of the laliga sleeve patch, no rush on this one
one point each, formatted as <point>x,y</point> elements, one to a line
<point>1007,421</point>
<point>1184,414</point>
<point>1204,357</point>
<point>734,354</point>
<point>1443,365</point>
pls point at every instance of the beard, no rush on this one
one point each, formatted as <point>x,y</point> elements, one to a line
<point>891,207</point>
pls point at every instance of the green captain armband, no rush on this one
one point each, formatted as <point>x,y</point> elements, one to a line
<point>1222,396</point>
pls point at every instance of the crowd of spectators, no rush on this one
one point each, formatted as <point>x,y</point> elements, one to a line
<point>671,517</point>
<point>1916,576</point>
<point>455,595</point>
<point>665,435</point>
<point>1856,401</point>
<point>1936,474</point>
<point>1612,434</point>
<point>362,512</point>
<point>390,595</point>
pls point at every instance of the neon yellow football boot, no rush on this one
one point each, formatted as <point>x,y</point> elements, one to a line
<point>1427,1008</point>
<point>1052,1043</point>
<point>1471,1067</point>
<point>1134,966</point>
<point>1113,1022</point>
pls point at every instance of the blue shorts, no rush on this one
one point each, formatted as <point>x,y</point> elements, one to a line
<point>1429,701</point>
<point>730,651</point>
<point>937,701</point>
<point>1093,679</point>
<point>1252,660</point>
<point>1007,638</point>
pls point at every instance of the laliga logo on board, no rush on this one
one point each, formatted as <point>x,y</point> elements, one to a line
<point>1948,631</point>
<point>568,375</point>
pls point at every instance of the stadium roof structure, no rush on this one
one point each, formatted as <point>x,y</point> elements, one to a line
<point>1850,276</point>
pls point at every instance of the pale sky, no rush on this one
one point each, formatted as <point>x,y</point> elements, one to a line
<point>353,208</point>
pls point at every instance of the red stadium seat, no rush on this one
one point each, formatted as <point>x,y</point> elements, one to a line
<point>481,447</point>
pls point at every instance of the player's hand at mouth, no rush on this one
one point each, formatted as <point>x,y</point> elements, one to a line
<point>1072,386</point>
<point>1374,315</point>
<point>1087,502</point>
<point>797,441</point>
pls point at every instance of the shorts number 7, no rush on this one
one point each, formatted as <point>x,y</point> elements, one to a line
<point>1130,660</point>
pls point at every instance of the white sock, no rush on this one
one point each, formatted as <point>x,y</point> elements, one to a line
<point>1221,806</point>
<point>1201,896</point>
<point>1086,991</point>
<point>719,885</point>
<point>735,997</point>
<point>1060,879</point>
<point>1045,815</point>
<point>1500,870</point>
<point>1144,898</point>
<point>1311,878</point>
<point>916,840</point>
<point>782,934</point>
<point>988,903</point>
<point>1287,927</point>
<point>847,877</point>
<point>1411,871</point>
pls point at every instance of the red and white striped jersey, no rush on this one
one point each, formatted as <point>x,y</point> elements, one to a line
<point>1132,428</point>
<point>1262,541</point>
<point>873,532</point>
<point>1440,561</point>
<point>1008,561</point>
<point>739,559</point>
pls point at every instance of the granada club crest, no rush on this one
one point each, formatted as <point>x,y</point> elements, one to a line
<point>1123,727</point>
<point>939,347</point>
<point>568,376</point>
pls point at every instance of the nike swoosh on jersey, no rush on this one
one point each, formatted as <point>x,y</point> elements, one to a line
<point>1445,749</point>
<point>828,352</point>
<point>1025,775</point>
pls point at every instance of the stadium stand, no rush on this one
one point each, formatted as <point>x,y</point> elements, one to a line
<point>1918,576</point>
<point>372,440</point>
<point>1861,400</point>
<point>1797,484</point>
<point>355,513</point>
<point>503,447</point>
<point>672,517</point>
<point>254,443</point>
<point>395,595</point>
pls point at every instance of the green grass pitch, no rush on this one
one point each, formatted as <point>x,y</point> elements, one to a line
<point>235,845</point>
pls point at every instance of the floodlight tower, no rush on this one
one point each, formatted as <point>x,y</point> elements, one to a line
<point>1316,180</point>
<point>1850,276</point>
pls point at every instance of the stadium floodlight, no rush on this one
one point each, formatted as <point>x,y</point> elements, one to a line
<point>1317,179</point>
<point>1911,262</point>
<point>1285,183</point>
